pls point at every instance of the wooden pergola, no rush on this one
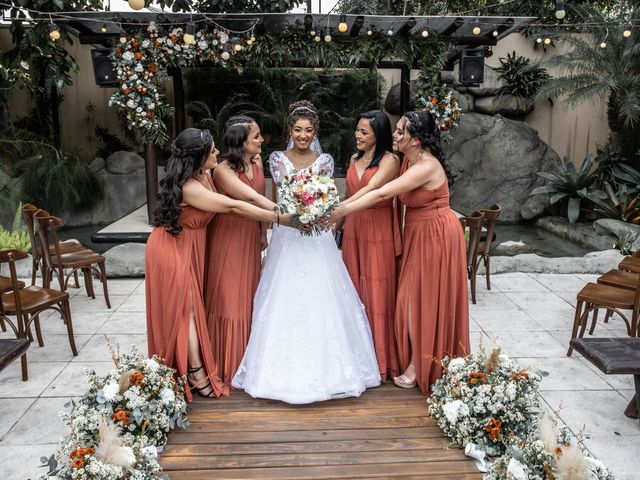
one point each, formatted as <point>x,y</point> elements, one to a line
<point>101,28</point>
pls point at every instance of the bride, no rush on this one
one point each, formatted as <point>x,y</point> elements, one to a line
<point>310,338</point>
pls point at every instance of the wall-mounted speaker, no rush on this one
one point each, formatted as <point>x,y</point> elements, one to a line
<point>103,70</point>
<point>472,66</point>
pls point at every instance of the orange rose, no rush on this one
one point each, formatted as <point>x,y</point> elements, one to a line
<point>149,114</point>
<point>494,429</point>
<point>476,377</point>
<point>78,464</point>
<point>138,56</point>
<point>121,416</point>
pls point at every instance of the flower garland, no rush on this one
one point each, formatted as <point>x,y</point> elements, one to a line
<point>121,422</point>
<point>489,404</point>
<point>442,103</point>
<point>141,62</point>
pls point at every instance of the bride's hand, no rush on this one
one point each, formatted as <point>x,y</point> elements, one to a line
<point>289,220</point>
<point>336,215</point>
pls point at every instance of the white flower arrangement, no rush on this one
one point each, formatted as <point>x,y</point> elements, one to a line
<point>311,196</point>
<point>442,103</point>
<point>140,64</point>
<point>121,422</point>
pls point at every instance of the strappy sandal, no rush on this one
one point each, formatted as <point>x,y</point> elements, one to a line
<point>193,387</point>
<point>402,381</point>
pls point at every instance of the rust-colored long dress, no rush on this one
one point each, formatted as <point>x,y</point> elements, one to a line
<point>174,278</point>
<point>231,279</point>
<point>432,288</point>
<point>370,245</point>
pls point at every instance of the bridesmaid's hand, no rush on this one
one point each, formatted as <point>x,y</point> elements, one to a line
<point>337,215</point>
<point>263,239</point>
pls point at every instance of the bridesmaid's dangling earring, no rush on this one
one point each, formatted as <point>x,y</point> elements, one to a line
<point>201,172</point>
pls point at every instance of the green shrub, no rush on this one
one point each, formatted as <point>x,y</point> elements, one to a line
<point>18,237</point>
<point>523,77</point>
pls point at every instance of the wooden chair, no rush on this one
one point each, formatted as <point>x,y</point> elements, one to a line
<point>57,261</point>
<point>595,296</point>
<point>474,224</point>
<point>483,253</point>
<point>630,263</point>
<point>6,285</point>
<point>28,214</point>
<point>26,304</point>
<point>620,279</point>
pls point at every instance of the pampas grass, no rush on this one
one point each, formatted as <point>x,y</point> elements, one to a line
<point>571,465</point>
<point>111,447</point>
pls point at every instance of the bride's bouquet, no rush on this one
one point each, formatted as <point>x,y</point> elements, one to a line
<point>310,196</point>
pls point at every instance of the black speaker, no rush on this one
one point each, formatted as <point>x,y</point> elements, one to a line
<point>103,70</point>
<point>472,66</point>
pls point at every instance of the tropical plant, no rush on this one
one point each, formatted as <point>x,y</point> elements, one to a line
<point>58,181</point>
<point>523,77</point>
<point>110,142</point>
<point>618,204</point>
<point>624,242</point>
<point>568,184</point>
<point>18,237</point>
<point>233,6</point>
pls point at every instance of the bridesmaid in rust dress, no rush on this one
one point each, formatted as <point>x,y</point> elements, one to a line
<point>371,239</point>
<point>432,308</point>
<point>234,246</point>
<point>174,260</point>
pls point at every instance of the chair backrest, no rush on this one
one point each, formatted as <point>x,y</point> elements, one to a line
<point>29,211</point>
<point>10,257</point>
<point>474,224</point>
<point>490,214</point>
<point>47,230</point>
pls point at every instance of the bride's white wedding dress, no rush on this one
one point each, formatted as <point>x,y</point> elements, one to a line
<point>310,338</point>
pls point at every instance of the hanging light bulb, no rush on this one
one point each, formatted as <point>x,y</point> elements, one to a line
<point>238,47</point>
<point>560,11</point>
<point>342,26</point>
<point>425,33</point>
<point>104,28</point>
<point>317,39</point>
<point>249,42</point>
<point>626,33</point>
<point>390,31</point>
<point>476,27</point>
<point>369,32</point>
<point>312,33</point>
<point>225,55</point>
<point>538,40</point>
<point>547,41</point>
<point>136,4</point>
<point>189,34</point>
<point>495,33</point>
<point>603,44</point>
<point>123,38</point>
<point>327,35</point>
<point>54,33</point>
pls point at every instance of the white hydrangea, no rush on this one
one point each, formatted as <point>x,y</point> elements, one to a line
<point>456,364</point>
<point>111,392</point>
<point>167,396</point>
<point>516,470</point>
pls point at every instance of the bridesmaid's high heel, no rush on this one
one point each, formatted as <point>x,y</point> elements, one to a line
<point>402,381</point>
<point>193,386</point>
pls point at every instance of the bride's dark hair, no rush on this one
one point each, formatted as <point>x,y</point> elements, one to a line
<point>422,125</point>
<point>236,133</point>
<point>189,152</point>
<point>303,109</point>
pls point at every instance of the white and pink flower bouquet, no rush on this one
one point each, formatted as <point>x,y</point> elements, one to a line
<point>309,195</point>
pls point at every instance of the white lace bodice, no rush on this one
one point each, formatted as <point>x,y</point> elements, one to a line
<point>280,166</point>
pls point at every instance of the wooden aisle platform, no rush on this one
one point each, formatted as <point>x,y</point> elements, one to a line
<point>383,434</point>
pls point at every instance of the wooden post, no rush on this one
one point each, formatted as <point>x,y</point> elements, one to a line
<point>405,87</point>
<point>178,100</point>
<point>151,178</point>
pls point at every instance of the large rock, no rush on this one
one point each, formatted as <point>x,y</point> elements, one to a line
<point>126,260</point>
<point>124,162</point>
<point>392,102</point>
<point>582,233</point>
<point>534,206</point>
<point>613,227</point>
<point>466,102</point>
<point>496,160</point>
<point>506,105</point>
<point>594,262</point>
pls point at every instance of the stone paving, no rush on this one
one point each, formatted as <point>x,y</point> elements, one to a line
<point>528,315</point>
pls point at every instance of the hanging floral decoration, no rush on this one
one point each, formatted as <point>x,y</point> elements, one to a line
<point>442,103</point>
<point>141,63</point>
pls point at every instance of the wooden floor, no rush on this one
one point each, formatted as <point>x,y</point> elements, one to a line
<point>383,434</point>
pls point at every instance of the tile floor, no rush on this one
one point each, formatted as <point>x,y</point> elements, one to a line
<point>528,315</point>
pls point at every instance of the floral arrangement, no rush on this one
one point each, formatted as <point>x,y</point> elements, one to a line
<point>140,62</point>
<point>118,427</point>
<point>481,399</point>
<point>310,196</point>
<point>491,406</point>
<point>442,103</point>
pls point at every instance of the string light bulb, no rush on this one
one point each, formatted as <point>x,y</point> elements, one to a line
<point>342,26</point>
<point>369,32</point>
<point>136,4</point>
<point>312,33</point>
<point>237,47</point>
<point>189,34</point>
<point>327,37</point>
<point>123,39</point>
<point>317,39</point>
<point>54,32</point>
<point>390,32</point>
<point>560,11</point>
<point>225,55</point>
<point>476,27</point>
<point>425,33</point>
<point>538,40</point>
<point>603,44</point>
<point>547,41</point>
<point>495,33</point>
<point>626,33</point>
<point>253,39</point>
<point>104,28</point>
<point>249,42</point>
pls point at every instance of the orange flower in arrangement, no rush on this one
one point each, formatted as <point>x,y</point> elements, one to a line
<point>126,91</point>
<point>153,67</point>
<point>434,101</point>
<point>81,452</point>
<point>121,415</point>
<point>156,45</point>
<point>174,38</point>
<point>558,451</point>
<point>78,464</point>
<point>494,428</point>
<point>520,375</point>
<point>138,56</point>
<point>136,378</point>
<point>135,43</point>
<point>118,51</point>
<point>149,114</point>
<point>475,377</point>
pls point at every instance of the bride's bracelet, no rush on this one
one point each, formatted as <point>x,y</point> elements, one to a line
<point>276,211</point>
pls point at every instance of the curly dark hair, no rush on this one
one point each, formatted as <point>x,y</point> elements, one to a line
<point>303,109</point>
<point>189,152</point>
<point>381,127</point>
<point>236,133</point>
<point>422,125</point>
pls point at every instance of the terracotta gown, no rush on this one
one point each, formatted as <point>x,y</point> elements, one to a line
<point>174,271</point>
<point>432,288</point>
<point>370,245</point>
<point>231,279</point>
